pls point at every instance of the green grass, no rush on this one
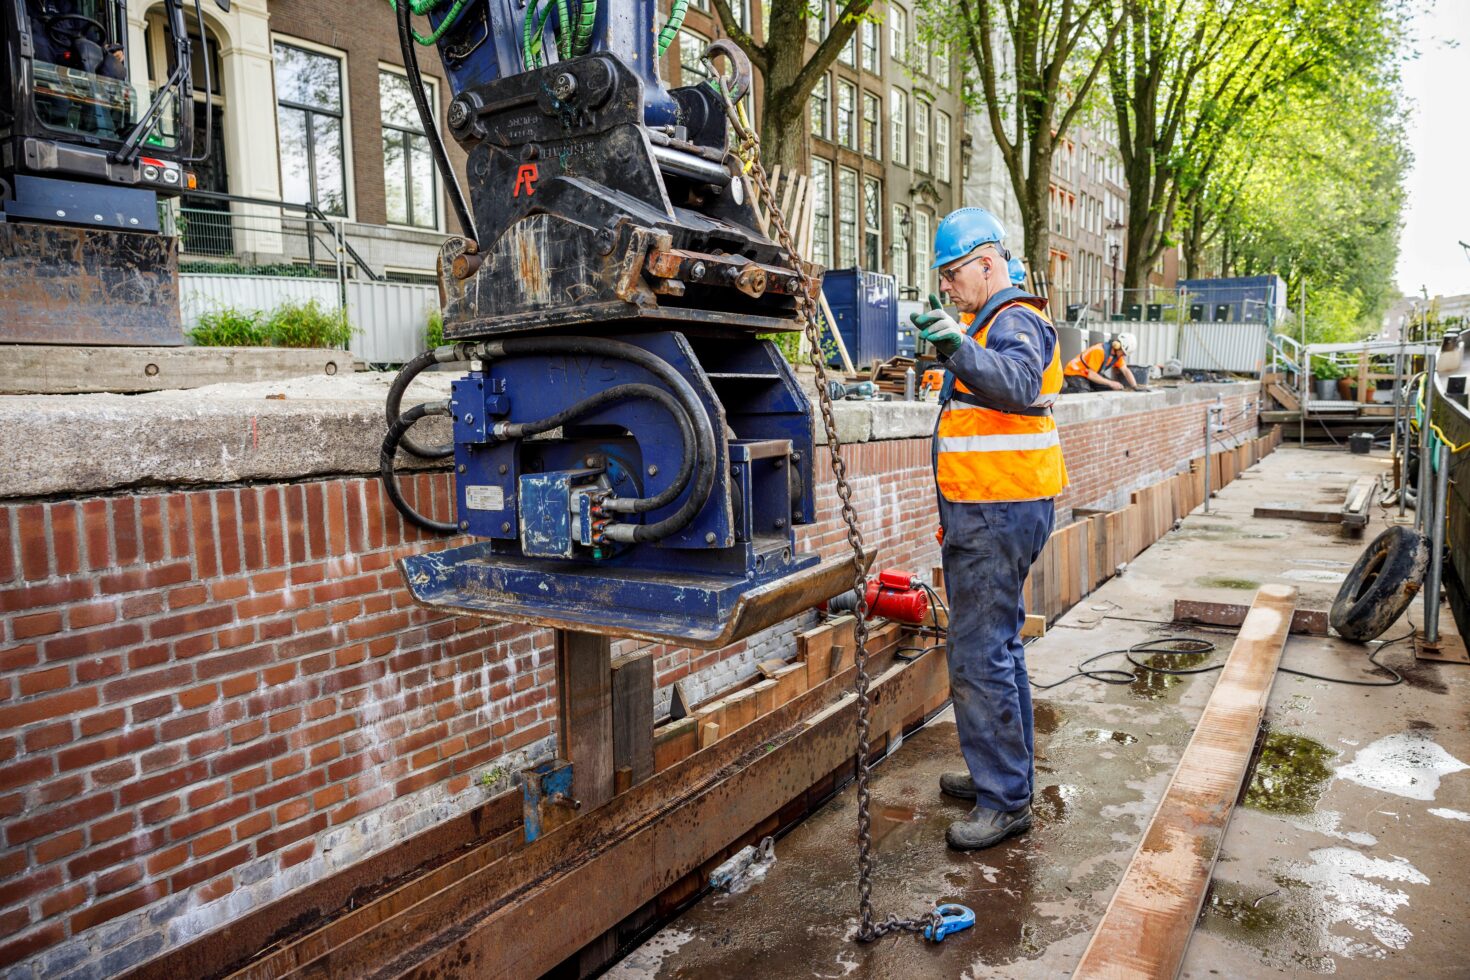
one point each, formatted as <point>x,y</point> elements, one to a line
<point>291,324</point>
<point>230,328</point>
<point>434,330</point>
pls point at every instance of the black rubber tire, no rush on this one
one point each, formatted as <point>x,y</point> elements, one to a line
<point>1381,585</point>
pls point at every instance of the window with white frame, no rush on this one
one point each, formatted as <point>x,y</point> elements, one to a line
<point>816,21</point>
<point>898,125</point>
<point>941,63</point>
<point>847,217</point>
<point>923,251</point>
<point>691,46</point>
<point>872,224</point>
<point>410,188</point>
<point>848,55</point>
<point>817,105</point>
<point>821,191</point>
<point>921,136</point>
<point>847,114</point>
<point>901,252</point>
<point>873,126</point>
<point>872,56</point>
<point>310,120</point>
<point>898,33</point>
<point>941,145</point>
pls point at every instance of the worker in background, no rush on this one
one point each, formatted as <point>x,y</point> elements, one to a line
<point>997,464</point>
<point>1090,370</point>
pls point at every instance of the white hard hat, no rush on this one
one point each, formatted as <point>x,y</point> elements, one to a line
<point>1129,342</point>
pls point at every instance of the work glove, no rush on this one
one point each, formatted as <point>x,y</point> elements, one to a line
<point>939,328</point>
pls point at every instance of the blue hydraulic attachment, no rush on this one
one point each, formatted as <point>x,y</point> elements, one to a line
<point>631,455</point>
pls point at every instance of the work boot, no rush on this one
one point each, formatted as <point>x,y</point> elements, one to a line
<point>957,784</point>
<point>984,828</point>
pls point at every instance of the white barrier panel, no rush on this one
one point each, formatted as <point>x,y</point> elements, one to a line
<point>1234,347</point>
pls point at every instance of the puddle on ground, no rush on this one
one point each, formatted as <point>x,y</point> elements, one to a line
<point>1290,776</point>
<point>888,817</point>
<point>1407,764</point>
<point>1048,717</point>
<point>1152,684</point>
<point>1326,823</point>
<point>1228,583</point>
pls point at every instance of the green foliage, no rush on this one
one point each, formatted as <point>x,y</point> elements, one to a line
<point>292,324</point>
<point>1325,370</point>
<point>789,344</point>
<point>434,330</point>
<point>289,270</point>
<point>230,327</point>
<point>308,324</point>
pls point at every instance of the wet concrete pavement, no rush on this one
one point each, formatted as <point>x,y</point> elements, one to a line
<point>1345,858</point>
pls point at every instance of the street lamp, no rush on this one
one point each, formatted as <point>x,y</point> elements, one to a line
<point>1114,247</point>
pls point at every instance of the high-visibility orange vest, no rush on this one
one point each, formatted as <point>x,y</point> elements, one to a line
<point>1099,358</point>
<point>986,455</point>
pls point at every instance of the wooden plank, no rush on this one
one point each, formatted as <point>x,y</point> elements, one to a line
<point>709,734</point>
<point>1034,626</point>
<point>790,683</point>
<point>632,707</point>
<point>584,713</point>
<point>844,644</point>
<point>674,742</point>
<point>1315,515</point>
<point>1147,926</point>
<point>1356,505</point>
<point>739,711</point>
<point>765,697</point>
<point>814,647</point>
<point>770,668</point>
<point>1312,622</point>
<point>831,322</point>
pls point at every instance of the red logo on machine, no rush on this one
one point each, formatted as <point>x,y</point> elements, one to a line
<point>525,177</point>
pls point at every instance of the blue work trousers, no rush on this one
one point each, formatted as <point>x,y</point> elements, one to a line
<point>988,549</point>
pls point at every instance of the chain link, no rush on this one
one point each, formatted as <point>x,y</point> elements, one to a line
<point>749,152</point>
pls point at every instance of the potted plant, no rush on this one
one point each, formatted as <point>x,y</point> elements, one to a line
<point>1325,377</point>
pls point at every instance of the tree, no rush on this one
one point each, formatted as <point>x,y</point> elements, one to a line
<point>789,73</point>
<point>1186,76</point>
<point>1036,62</point>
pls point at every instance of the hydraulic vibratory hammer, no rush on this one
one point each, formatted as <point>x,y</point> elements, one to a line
<point>632,456</point>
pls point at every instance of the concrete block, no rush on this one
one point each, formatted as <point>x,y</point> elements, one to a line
<point>124,959</point>
<point>903,420</point>
<point>26,369</point>
<point>854,422</point>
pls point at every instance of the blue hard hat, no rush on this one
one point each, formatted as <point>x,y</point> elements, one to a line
<point>1017,272</point>
<point>962,231</point>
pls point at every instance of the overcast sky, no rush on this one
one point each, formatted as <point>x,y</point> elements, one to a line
<point>1438,215</point>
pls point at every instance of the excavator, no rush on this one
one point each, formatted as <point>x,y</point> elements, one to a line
<point>84,159</point>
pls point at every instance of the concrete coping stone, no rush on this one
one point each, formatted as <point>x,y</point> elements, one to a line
<point>278,431</point>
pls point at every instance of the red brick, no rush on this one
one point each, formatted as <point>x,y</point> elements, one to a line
<point>97,534</point>
<point>294,855</point>
<point>59,790</point>
<point>41,681</point>
<point>207,844</point>
<point>58,819</point>
<point>160,810</point>
<point>108,828</point>
<point>59,847</point>
<point>218,888</point>
<point>35,562</point>
<point>103,721</point>
<point>105,857</point>
<point>146,604</point>
<point>193,646</point>
<point>49,594</point>
<point>228,526</point>
<point>44,709</point>
<point>7,546</point>
<point>120,771</point>
<point>48,737</point>
<point>151,528</point>
<point>207,869</point>
<point>95,913</point>
<point>290,835</point>
<point>236,686</point>
<point>273,527</point>
<point>167,859</point>
<point>295,510</point>
<point>39,624</point>
<point>152,786</point>
<point>149,682</point>
<point>98,668</point>
<point>68,898</point>
<point>118,879</point>
<point>253,552</point>
<point>247,756</point>
<point>316,522</point>
<point>85,644</point>
<point>253,825</point>
<point>198,697</point>
<point>152,577</point>
<point>189,595</point>
<point>92,614</point>
<point>207,618</point>
<point>125,530</point>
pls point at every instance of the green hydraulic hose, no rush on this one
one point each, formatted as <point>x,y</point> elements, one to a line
<point>671,29</point>
<point>563,30</point>
<point>422,7</point>
<point>582,32</point>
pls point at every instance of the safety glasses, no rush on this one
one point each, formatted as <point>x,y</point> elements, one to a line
<point>948,275</point>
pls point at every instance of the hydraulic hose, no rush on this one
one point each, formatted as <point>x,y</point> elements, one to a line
<point>405,376</point>
<point>704,457</point>
<point>395,435</point>
<point>431,128</point>
<point>617,393</point>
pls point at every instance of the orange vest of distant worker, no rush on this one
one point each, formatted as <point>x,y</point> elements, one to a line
<point>985,455</point>
<point>1098,358</point>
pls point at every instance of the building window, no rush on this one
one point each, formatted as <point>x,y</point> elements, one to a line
<point>872,223</point>
<point>410,192</point>
<point>821,96</point>
<point>872,127</point>
<point>941,64</point>
<point>847,216</point>
<point>821,212</point>
<point>898,123</point>
<point>941,146</point>
<point>691,46</point>
<point>309,116</point>
<point>741,10</point>
<point>816,21</point>
<point>848,54</point>
<point>923,251</point>
<point>898,33</point>
<point>870,44</point>
<point>902,229</point>
<point>847,114</point>
<point>921,135</point>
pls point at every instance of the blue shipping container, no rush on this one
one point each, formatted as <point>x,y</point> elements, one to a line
<point>865,306</point>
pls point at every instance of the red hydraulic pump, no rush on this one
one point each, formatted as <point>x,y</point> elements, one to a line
<point>894,595</point>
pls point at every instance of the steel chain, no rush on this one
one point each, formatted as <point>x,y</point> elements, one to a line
<point>806,306</point>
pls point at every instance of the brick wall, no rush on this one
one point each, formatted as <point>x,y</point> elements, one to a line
<point>210,697</point>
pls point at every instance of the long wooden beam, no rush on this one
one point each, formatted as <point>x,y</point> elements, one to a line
<point>1147,926</point>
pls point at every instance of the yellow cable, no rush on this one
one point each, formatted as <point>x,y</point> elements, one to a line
<point>1419,401</point>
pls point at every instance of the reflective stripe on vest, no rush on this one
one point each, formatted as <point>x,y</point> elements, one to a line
<point>987,455</point>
